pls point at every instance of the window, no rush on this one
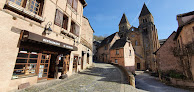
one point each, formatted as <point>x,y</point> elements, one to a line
<point>26,64</point>
<point>136,43</point>
<point>116,61</point>
<point>61,20</point>
<point>35,6</point>
<point>132,35</point>
<point>31,63</point>
<point>146,45</point>
<point>73,3</point>
<point>105,47</point>
<point>74,29</point>
<point>88,59</point>
<point>145,31</point>
<point>18,2</point>
<point>65,22</point>
<point>129,52</point>
<point>117,52</point>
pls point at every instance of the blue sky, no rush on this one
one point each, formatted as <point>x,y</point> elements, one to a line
<point>105,15</point>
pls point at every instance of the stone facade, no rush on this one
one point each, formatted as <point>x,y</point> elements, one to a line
<point>144,39</point>
<point>122,53</point>
<point>165,57</point>
<point>185,43</point>
<point>16,18</point>
<point>103,52</point>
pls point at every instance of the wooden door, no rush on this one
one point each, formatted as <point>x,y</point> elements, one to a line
<point>138,66</point>
<point>44,63</point>
<point>82,63</point>
<point>75,63</point>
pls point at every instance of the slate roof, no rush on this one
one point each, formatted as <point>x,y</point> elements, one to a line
<point>186,14</point>
<point>124,19</point>
<point>108,39</point>
<point>120,43</point>
<point>162,41</point>
<point>144,11</point>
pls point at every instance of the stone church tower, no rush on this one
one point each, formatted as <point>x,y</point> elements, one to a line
<point>144,39</point>
<point>150,37</point>
<point>124,26</point>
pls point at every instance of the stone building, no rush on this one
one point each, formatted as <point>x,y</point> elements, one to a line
<point>96,44</point>
<point>42,39</point>
<point>166,61</point>
<point>144,39</point>
<point>185,43</point>
<point>103,51</point>
<point>122,53</point>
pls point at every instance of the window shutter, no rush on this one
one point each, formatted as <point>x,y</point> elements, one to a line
<point>58,18</point>
<point>75,3</point>
<point>70,2</point>
<point>24,3</point>
<point>65,22</point>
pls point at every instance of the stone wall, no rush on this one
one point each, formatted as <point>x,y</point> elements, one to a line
<point>165,56</point>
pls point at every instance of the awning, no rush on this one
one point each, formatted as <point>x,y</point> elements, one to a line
<point>35,37</point>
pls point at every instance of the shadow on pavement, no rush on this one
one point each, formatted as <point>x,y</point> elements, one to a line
<point>107,73</point>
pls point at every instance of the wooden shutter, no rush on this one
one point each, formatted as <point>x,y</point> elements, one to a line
<point>41,8</point>
<point>24,3</point>
<point>75,3</point>
<point>70,2</point>
<point>58,18</point>
<point>65,22</point>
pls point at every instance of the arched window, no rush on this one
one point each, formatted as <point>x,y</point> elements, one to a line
<point>136,43</point>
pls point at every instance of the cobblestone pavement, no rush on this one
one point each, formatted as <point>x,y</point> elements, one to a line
<point>146,82</point>
<point>100,78</point>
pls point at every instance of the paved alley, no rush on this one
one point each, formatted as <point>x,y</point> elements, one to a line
<point>149,83</point>
<point>100,78</point>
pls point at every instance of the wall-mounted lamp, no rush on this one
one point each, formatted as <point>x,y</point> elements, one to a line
<point>47,28</point>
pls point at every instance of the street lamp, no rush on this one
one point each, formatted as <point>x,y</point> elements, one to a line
<point>47,28</point>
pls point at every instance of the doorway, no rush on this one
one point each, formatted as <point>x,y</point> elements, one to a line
<point>75,60</point>
<point>53,69</point>
<point>138,66</point>
<point>82,61</point>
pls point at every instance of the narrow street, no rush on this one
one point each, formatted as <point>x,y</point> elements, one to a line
<point>100,78</point>
<point>149,83</point>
